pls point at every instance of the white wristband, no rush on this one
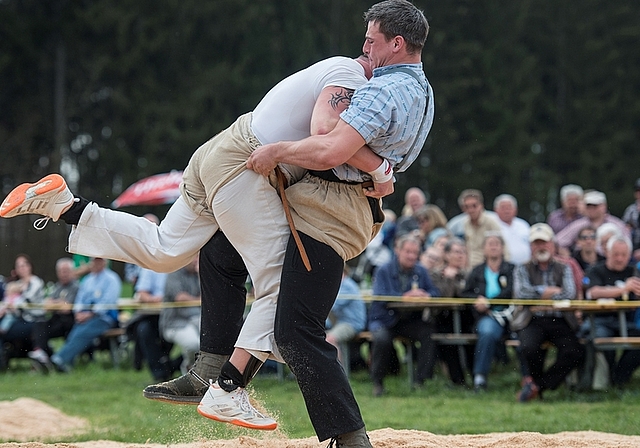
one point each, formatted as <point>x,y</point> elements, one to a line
<point>383,173</point>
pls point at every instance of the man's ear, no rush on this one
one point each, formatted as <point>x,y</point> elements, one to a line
<point>398,43</point>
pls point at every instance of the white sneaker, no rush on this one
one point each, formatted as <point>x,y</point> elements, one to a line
<point>49,197</point>
<point>41,358</point>
<point>233,407</point>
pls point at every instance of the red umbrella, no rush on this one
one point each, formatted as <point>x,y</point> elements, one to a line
<point>153,190</point>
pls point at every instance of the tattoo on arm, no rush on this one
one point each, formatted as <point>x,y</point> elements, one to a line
<point>343,96</point>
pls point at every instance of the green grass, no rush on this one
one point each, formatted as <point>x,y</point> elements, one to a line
<point>112,402</point>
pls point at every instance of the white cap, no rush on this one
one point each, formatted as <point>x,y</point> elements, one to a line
<point>541,231</point>
<point>595,198</point>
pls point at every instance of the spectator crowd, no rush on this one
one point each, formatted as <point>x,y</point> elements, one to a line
<point>581,252</point>
<point>56,324</point>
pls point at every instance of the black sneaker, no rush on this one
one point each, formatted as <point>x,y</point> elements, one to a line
<point>186,389</point>
<point>355,439</point>
<point>4,361</point>
<point>530,390</point>
<point>480,387</point>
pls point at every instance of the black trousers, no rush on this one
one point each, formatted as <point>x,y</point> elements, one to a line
<point>57,326</point>
<point>417,330</point>
<point>570,353</point>
<point>303,305</point>
<point>223,294</point>
<point>150,345</point>
<point>622,370</point>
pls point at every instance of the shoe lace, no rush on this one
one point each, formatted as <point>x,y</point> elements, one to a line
<point>246,405</point>
<point>41,223</point>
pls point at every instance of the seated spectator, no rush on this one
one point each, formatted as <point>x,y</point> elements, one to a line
<point>455,225</point>
<point>569,211</point>
<point>348,316</point>
<point>477,224</point>
<point>630,359</point>
<point>515,231</point>
<point>94,313</point>
<point>59,305</point>
<point>450,280</point>
<point>585,249</point>
<point>631,217</point>
<point>181,324</point>
<point>9,307</point>
<point>432,258</point>
<point>144,327</point>
<point>431,224</point>
<point>19,327</point>
<point>615,279</point>
<point>414,198</point>
<point>491,279</point>
<point>596,214</point>
<point>576,272</point>
<point>378,251</point>
<point>545,278</point>
<point>402,276</point>
<point>441,242</point>
<point>603,233</point>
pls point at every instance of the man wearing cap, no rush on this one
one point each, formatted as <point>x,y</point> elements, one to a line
<point>545,278</point>
<point>631,217</point>
<point>596,214</point>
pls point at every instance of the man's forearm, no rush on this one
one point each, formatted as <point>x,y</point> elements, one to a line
<point>605,292</point>
<point>323,158</point>
<point>365,160</point>
<point>318,152</point>
<point>312,153</point>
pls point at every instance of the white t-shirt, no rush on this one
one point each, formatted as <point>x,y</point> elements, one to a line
<point>516,238</point>
<point>285,111</point>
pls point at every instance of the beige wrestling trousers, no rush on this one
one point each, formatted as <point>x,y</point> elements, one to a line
<point>218,192</point>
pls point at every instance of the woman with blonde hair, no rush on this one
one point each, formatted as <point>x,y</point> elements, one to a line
<point>431,223</point>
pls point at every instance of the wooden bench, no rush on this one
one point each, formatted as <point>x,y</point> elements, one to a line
<point>629,342</point>
<point>367,336</point>
<point>455,338</point>
<point>512,342</point>
<point>118,341</point>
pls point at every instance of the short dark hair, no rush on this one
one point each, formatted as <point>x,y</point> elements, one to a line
<point>400,18</point>
<point>470,193</point>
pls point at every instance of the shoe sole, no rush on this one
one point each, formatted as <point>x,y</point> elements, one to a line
<point>526,398</point>
<point>237,422</point>
<point>40,366</point>
<point>173,399</point>
<point>21,193</point>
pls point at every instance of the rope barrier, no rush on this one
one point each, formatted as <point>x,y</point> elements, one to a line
<point>130,304</point>
<point>600,303</point>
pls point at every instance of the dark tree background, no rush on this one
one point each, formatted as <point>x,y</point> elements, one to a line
<point>530,95</point>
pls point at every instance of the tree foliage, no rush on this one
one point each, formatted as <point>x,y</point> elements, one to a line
<point>530,95</point>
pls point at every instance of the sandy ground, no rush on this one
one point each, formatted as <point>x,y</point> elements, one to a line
<point>17,422</point>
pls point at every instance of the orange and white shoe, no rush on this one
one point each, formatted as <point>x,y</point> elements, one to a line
<point>49,197</point>
<point>233,407</point>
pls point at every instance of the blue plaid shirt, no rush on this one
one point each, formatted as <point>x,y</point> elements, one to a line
<point>98,292</point>
<point>387,112</point>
